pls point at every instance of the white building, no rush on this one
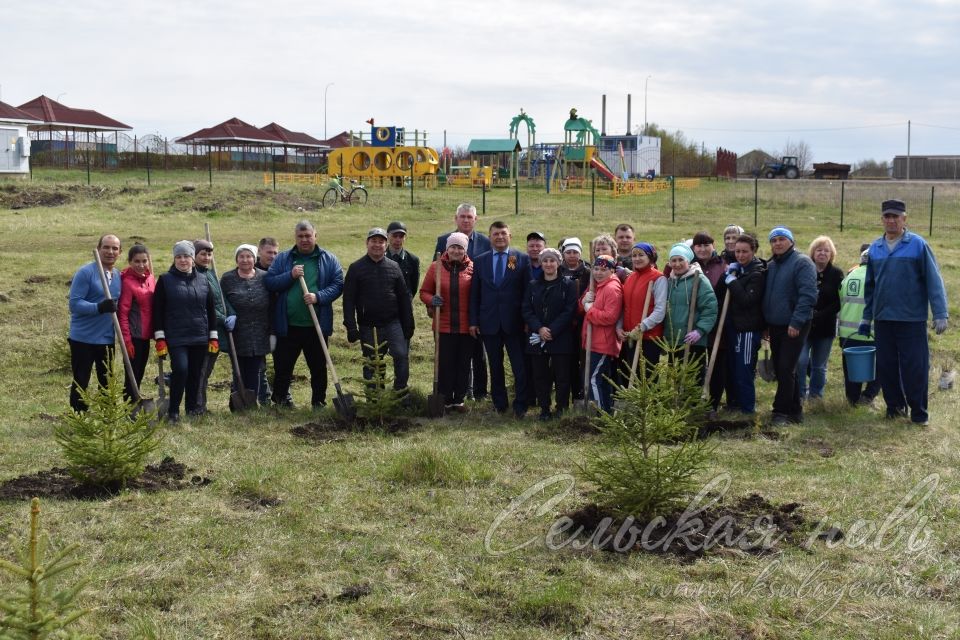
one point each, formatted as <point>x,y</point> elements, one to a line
<point>15,154</point>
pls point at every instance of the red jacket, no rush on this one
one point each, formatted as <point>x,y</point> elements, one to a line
<point>455,312</point>
<point>603,317</point>
<point>634,293</point>
<point>135,307</point>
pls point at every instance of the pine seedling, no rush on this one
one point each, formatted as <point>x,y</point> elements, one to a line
<point>108,444</point>
<point>648,456</point>
<point>383,402</point>
<point>37,609</point>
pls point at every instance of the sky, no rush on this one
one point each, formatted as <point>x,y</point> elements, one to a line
<point>843,77</point>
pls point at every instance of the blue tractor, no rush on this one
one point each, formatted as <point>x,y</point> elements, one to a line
<point>787,167</point>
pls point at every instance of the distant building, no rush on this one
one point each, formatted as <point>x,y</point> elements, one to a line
<point>751,162</point>
<point>641,154</point>
<point>927,168</point>
<point>15,157</point>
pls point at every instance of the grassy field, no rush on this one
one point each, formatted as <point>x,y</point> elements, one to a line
<point>390,536</point>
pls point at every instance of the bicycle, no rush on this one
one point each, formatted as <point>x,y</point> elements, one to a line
<point>336,193</point>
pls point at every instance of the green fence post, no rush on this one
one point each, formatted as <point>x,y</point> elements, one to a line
<point>756,201</point>
<point>148,166</point>
<point>516,196</point>
<point>673,198</point>
<point>593,192</point>
<point>210,166</point>
<point>843,186</point>
<point>930,232</point>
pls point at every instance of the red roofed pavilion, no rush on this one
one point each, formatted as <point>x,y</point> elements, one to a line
<point>54,116</point>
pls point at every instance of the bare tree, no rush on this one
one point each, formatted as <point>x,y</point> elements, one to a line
<point>801,150</point>
<point>870,168</point>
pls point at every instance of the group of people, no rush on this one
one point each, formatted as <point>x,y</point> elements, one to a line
<point>560,315</point>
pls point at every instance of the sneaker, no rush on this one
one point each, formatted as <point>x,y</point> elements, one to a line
<point>779,420</point>
<point>461,408</point>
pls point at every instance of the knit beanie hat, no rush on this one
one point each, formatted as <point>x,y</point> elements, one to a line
<point>681,249</point>
<point>731,228</point>
<point>246,247</point>
<point>184,248</point>
<point>458,239</point>
<point>572,243</point>
<point>550,253</point>
<point>781,232</point>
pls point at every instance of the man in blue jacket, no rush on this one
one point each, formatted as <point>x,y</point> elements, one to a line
<point>91,327</point>
<point>789,296</point>
<point>499,278</point>
<point>902,281</point>
<point>292,322</point>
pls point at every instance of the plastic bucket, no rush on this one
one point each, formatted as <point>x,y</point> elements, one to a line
<point>861,363</point>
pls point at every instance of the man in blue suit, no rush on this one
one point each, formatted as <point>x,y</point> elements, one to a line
<point>499,278</point>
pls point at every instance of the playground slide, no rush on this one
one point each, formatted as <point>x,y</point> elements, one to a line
<point>604,170</point>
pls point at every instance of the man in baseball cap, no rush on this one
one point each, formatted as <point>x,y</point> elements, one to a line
<point>409,264</point>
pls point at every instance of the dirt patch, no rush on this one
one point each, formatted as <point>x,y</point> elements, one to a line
<point>736,430</point>
<point>751,524</point>
<point>339,429</point>
<point>37,279</point>
<point>824,449</point>
<point>28,196</point>
<point>355,592</point>
<point>258,504</point>
<point>169,475</point>
<point>572,427</point>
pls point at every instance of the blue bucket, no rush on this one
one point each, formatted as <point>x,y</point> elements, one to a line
<point>861,363</point>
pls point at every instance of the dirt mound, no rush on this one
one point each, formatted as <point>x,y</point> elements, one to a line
<point>751,524</point>
<point>169,475</point>
<point>339,429</point>
<point>16,196</point>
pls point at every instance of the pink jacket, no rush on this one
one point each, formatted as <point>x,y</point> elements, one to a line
<point>135,307</point>
<point>603,316</point>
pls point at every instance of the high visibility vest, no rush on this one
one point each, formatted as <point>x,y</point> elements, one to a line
<point>851,304</point>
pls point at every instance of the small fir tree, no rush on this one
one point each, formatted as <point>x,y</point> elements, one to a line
<point>109,443</point>
<point>648,456</point>
<point>37,609</point>
<point>382,401</point>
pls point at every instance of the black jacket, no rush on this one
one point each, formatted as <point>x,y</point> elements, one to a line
<point>410,267</point>
<point>828,303</point>
<point>375,294</point>
<point>184,313</point>
<point>552,304</point>
<point>745,311</point>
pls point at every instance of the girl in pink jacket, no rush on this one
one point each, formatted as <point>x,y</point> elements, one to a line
<point>602,311</point>
<point>135,309</point>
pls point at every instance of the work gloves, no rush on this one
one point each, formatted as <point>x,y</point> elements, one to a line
<point>939,325</point>
<point>864,328</point>
<point>130,350</point>
<point>213,345</point>
<point>733,270</point>
<point>161,347</point>
<point>107,306</point>
<point>230,322</point>
<point>693,337</point>
<point>436,301</point>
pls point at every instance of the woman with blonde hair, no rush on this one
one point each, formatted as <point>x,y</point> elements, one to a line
<point>816,350</point>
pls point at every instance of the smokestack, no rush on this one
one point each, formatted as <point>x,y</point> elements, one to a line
<point>603,117</point>
<point>628,114</point>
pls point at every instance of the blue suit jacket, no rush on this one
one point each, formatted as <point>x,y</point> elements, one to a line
<point>496,308</point>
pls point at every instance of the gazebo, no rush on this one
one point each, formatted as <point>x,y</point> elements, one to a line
<point>235,134</point>
<point>54,116</point>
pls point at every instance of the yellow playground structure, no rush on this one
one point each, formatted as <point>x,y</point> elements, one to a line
<point>386,156</point>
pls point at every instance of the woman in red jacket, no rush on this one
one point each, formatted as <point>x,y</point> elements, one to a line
<point>451,307</point>
<point>135,310</point>
<point>602,308</point>
<point>640,320</point>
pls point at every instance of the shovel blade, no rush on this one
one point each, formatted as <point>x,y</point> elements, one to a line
<point>435,406</point>
<point>242,400</point>
<point>344,406</point>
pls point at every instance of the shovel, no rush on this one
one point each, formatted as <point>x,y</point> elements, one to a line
<point>343,403</point>
<point>435,400</point>
<point>241,398</point>
<point>690,317</point>
<point>637,348</point>
<point>143,404</point>
<point>163,404</point>
<point>585,403</point>
<point>716,346</point>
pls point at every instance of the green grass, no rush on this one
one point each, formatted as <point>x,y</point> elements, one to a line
<point>407,515</point>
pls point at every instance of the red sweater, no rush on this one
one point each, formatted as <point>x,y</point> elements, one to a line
<point>456,299</point>
<point>603,316</point>
<point>135,307</point>
<point>634,293</point>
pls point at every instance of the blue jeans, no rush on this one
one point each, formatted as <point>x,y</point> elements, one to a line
<point>742,367</point>
<point>396,346</point>
<point>814,354</point>
<point>903,366</point>
<point>601,392</point>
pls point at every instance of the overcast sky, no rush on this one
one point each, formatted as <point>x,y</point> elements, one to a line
<point>845,77</point>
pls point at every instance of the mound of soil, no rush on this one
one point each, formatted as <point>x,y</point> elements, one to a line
<point>751,524</point>
<point>339,429</point>
<point>572,427</point>
<point>736,429</point>
<point>169,475</point>
<point>16,196</point>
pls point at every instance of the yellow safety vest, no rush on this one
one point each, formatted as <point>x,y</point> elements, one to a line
<point>851,304</point>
